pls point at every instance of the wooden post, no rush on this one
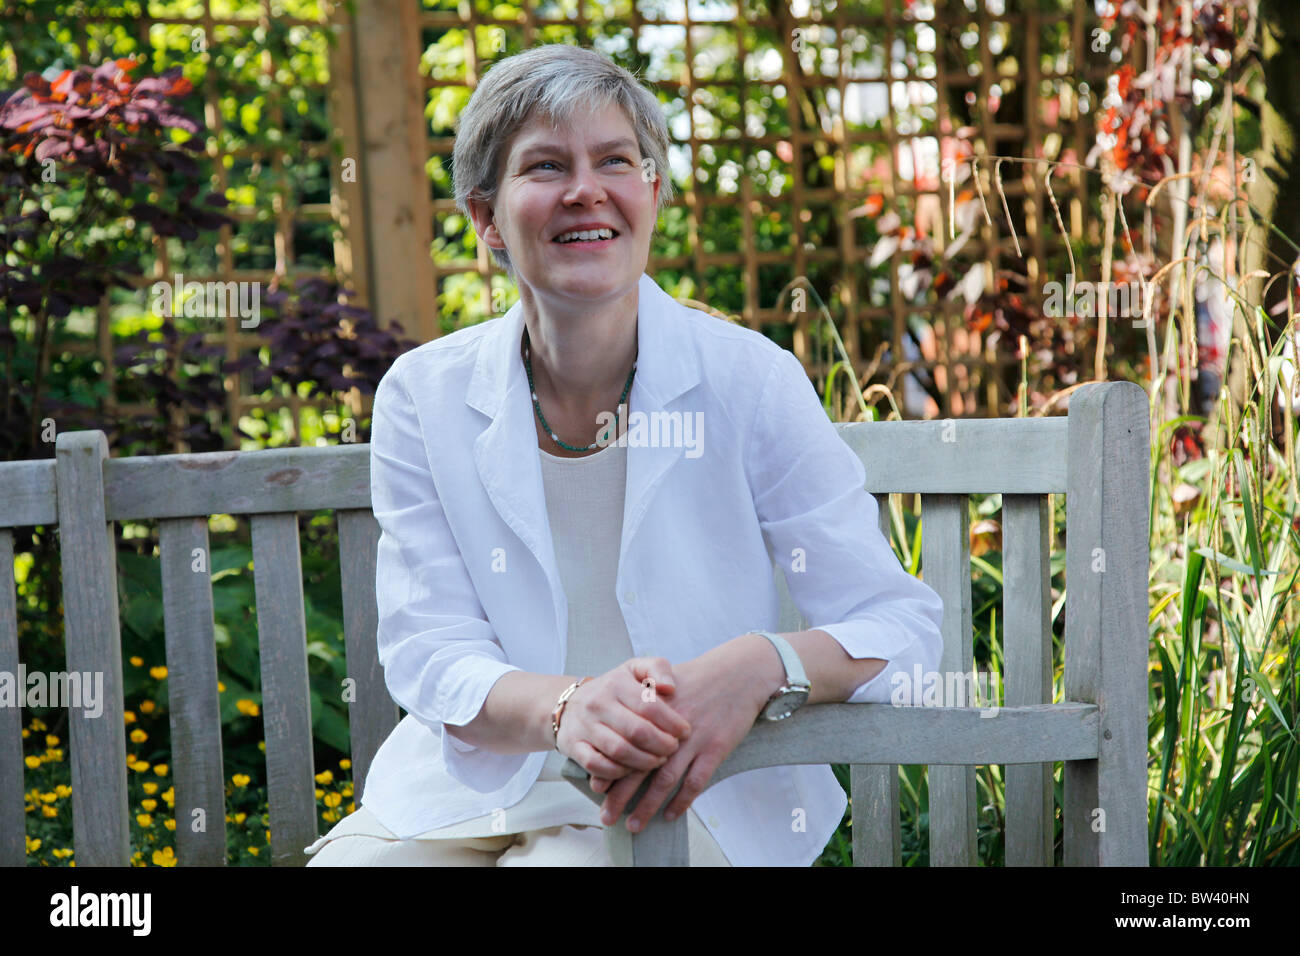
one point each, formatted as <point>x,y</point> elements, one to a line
<point>1106,632</point>
<point>391,157</point>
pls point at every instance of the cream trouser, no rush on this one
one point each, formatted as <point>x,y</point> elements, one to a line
<point>361,840</point>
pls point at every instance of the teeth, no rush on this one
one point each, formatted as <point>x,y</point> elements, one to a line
<point>586,235</point>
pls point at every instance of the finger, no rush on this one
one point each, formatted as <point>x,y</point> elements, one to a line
<point>618,796</point>
<point>643,733</point>
<point>615,745</point>
<point>696,780</point>
<point>594,762</point>
<point>665,778</point>
<point>599,784</point>
<point>657,671</point>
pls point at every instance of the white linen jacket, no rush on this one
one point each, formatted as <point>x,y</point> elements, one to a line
<point>468,587</point>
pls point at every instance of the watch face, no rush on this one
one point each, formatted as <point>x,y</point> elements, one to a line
<point>783,705</point>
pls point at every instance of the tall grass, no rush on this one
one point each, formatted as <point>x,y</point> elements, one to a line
<point>1223,752</point>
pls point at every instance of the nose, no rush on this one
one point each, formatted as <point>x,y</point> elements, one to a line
<point>585,187</point>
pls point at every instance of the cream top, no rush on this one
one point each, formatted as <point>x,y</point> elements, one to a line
<point>584,502</point>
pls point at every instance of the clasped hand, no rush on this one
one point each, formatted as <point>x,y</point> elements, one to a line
<point>646,717</point>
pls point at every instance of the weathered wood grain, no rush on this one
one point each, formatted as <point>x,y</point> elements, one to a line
<point>286,699</point>
<point>192,692</point>
<point>97,742</point>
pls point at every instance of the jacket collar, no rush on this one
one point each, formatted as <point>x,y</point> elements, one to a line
<point>505,452</point>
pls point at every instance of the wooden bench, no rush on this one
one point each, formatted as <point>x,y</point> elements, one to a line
<point>1098,457</point>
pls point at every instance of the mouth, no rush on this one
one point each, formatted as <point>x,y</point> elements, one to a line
<point>586,243</point>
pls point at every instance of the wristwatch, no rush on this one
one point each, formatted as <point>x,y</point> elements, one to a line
<point>791,695</point>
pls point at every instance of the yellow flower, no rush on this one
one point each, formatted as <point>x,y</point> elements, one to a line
<point>26,733</point>
<point>347,790</point>
<point>33,844</point>
<point>164,857</point>
<point>128,717</point>
<point>268,836</point>
<point>32,762</point>
<point>330,815</point>
<point>247,707</point>
<point>38,725</point>
<point>221,688</point>
<point>149,805</point>
<point>345,764</point>
<point>319,793</point>
<point>62,854</point>
<point>144,819</point>
<point>158,673</point>
<point>169,823</point>
<point>240,779</point>
<point>261,745</point>
<point>137,661</point>
<point>138,736</point>
<point>49,811</point>
<point>147,706</point>
<point>325,776</point>
<point>151,788</point>
<point>352,807</point>
<point>170,796</point>
<point>139,766</point>
<point>51,740</point>
<point>54,754</point>
<point>160,770</point>
<point>253,850</point>
<point>49,797</point>
<point>333,799</point>
<point>241,817</point>
<point>63,790</point>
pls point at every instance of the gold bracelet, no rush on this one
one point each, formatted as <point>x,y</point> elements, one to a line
<point>559,708</point>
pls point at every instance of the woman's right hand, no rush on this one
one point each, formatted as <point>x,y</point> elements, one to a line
<point>619,722</point>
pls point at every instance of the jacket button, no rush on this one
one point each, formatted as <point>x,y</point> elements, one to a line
<point>630,597</point>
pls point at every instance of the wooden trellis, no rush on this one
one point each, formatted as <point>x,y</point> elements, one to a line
<point>389,212</point>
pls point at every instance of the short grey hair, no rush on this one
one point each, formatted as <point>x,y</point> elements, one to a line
<point>554,82</point>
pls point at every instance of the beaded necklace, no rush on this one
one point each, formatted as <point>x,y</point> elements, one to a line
<point>528,367</point>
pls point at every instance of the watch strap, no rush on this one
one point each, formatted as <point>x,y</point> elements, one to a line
<point>794,672</point>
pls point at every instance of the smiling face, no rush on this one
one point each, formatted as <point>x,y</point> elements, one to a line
<point>554,181</point>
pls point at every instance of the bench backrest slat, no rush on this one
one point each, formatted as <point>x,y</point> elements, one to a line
<point>193,701</point>
<point>945,566</point>
<point>97,745</point>
<point>274,481</point>
<point>13,848</point>
<point>1027,664</point>
<point>29,497</point>
<point>962,456</point>
<point>372,715</point>
<point>286,696</point>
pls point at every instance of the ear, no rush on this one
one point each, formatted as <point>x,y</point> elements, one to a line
<point>484,220</point>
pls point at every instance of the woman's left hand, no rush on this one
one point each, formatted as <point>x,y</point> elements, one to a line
<point>720,693</point>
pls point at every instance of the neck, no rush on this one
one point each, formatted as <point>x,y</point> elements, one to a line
<point>581,360</point>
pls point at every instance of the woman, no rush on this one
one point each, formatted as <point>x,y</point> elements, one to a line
<point>584,492</point>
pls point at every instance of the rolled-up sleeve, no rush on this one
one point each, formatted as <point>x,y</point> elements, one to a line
<point>439,653</point>
<point>809,490</point>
